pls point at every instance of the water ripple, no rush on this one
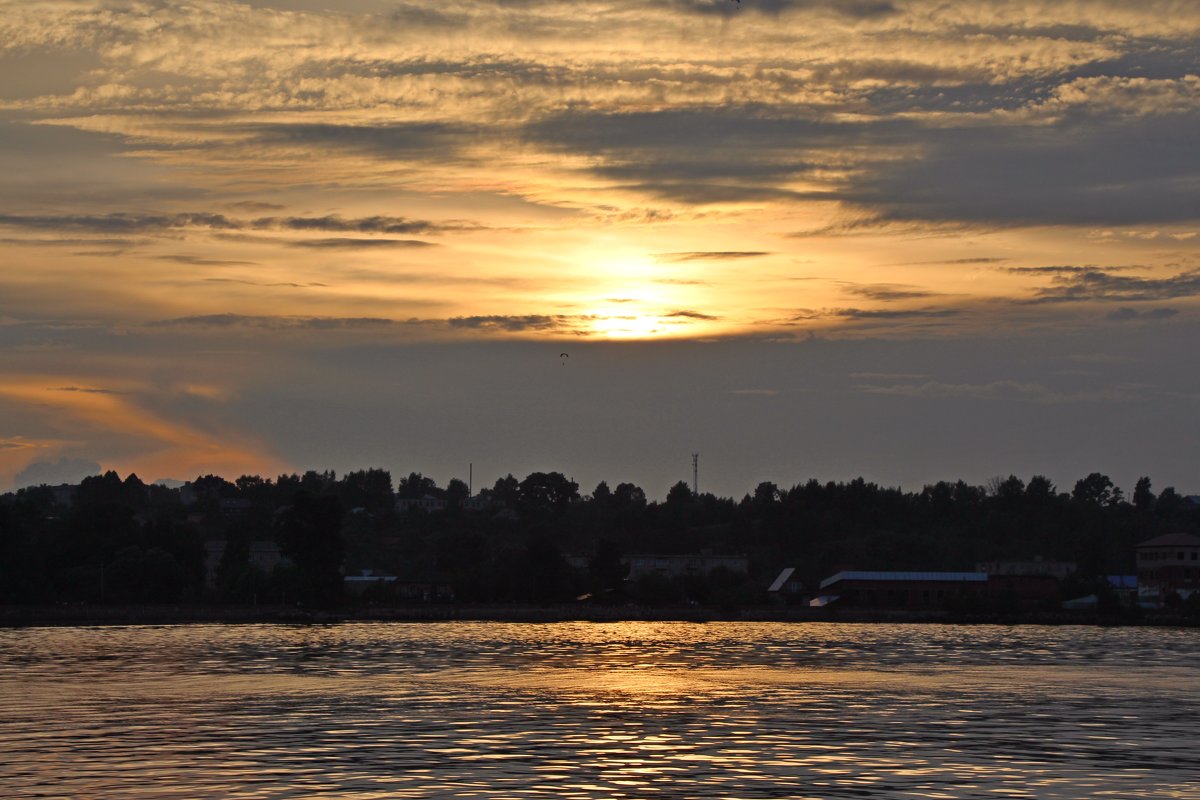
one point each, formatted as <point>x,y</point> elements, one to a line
<point>622,710</point>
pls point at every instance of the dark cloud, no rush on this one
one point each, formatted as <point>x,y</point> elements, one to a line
<point>124,222</point>
<point>697,155</point>
<point>64,470</point>
<point>1113,152</point>
<point>1125,313</point>
<point>1064,270</point>
<point>709,255</point>
<point>985,260</point>
<point>85,390</point>
<point>429,140</point>
<point>118,222</point>
<point>424,15</point>
<point>871,224</point>
<point>852,9</point>
<point>690,315</point>
<point>377,224</point>
<point>1096,284</point>
<point>282,284</point>
<point>255,207</point>
<point>479,67</point>
<point>806,315</point>
<point>908,313</point>
<point>197,261</point>
<point>727,190</point>
<point>273,322</point>
<point>117,244</point>
<point>886,292</point>
<point>502,323</point>
<point>513,324</point>
<point>1102,169</point>
<point>344,243</point>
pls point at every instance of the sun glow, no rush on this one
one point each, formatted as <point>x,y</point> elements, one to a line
<point>622,324</point>
<point>631,311</point>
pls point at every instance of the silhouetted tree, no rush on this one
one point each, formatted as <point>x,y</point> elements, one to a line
<point>1169,503</point>
<point>544,578</point>
<point>1094,490</point>
<point>629,495</point>
<point>416,486</point>
<point>369,489</point>
<point>318,483</point>
<point>679,495</point>
<point>1143,496</point>
<point>605,567</point>
<point>309,532</point>
<point>1039,488</point>
<point>545,491</point>
<point>144,576</point>
<point>765,494</point>
<point>507,491</point>
<point>1010,489</point>
<point>457,492</point>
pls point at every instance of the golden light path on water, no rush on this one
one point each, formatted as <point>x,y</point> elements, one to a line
<point>471,710</point>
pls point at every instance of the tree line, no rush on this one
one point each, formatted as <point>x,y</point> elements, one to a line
<point>539,539</point>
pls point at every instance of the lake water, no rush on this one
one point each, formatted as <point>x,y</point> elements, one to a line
<point>587,710</point>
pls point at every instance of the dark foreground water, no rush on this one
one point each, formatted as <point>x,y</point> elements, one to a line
<point>719,710</point>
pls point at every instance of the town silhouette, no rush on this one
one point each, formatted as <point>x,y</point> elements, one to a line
<point>317,541</point>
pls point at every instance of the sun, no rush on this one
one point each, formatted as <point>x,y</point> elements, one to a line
<point>625,324</point>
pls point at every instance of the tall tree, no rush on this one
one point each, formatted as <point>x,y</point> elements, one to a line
<point>309,532</point>
<point>1143,496</point>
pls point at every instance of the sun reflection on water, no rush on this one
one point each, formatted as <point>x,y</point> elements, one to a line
<point>466,710</point>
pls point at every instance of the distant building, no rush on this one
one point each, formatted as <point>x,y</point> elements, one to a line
<point>396,589</point>
<point>1023,591</point>
<point>676,566</point>
<point>902,589</point>
<point>425,591</point>
<point>787,583</point>
<point>1057,569</point>
<point>1168,565</point>
<point>263,555</point>
<point>426,503</point>
<point>235,506</point>
<point>1125,587</point>
<point>357,584</point>
<point>480,502</point>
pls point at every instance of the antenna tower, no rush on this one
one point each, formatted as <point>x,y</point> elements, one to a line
<point>696,474</point>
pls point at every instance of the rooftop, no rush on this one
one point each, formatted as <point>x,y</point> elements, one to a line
<point>904,576</point>
<point>1172,540</point>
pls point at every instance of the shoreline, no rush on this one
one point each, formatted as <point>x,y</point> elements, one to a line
<point>89,615</point>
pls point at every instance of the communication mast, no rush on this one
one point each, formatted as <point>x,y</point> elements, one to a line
<point>696,474</point>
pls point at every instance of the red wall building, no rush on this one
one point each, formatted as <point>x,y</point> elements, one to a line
<point>1168,565</point>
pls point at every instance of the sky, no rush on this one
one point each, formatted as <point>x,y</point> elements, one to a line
<point>904,239</point>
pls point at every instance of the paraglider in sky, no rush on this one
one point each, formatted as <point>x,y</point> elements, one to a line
<point>564,357</point>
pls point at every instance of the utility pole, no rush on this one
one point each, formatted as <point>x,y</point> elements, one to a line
<point>696,474</point>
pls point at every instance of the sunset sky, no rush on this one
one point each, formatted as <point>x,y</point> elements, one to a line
<point>911,240</point>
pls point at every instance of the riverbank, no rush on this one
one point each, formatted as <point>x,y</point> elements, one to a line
<point>61,615</point>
